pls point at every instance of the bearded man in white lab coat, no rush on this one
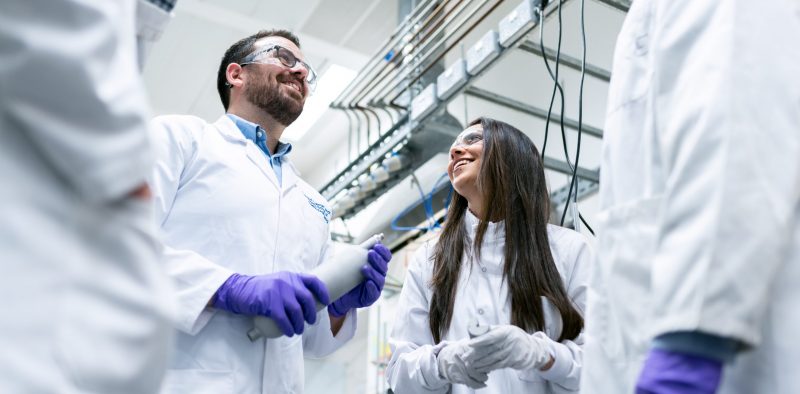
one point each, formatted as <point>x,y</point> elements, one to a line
<point>241,228</point>
<point>86,302</point>
<point>696,288</point>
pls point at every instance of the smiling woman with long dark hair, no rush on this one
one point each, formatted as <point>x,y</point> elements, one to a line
<point>497,264</point>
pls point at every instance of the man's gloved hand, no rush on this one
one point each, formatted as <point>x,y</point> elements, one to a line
<point>370,289</point>
<point>668,372</point>
<point>286,297</point>
<point>508,346</point>
<point>453,368</point>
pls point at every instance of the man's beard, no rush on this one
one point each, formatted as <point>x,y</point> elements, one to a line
<point>279,106</point>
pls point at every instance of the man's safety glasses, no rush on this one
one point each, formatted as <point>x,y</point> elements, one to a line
<point>286,58</point>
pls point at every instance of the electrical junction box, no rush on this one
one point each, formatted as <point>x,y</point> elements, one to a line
<point>518,22</point>
<point>424,103</point>
<point>451,79</point>
<point>482,53</point>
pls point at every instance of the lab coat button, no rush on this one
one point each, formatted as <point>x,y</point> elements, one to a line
<point>480,311</point>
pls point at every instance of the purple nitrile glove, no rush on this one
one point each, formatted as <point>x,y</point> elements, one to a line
<point>370,289</point>
<point>286,297</point>
<point>668,372</point>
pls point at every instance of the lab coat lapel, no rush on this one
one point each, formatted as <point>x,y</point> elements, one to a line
<point>289,174</point>
<point>232,133</point>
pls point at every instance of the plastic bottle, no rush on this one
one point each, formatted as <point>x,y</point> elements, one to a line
<point>339,275</point>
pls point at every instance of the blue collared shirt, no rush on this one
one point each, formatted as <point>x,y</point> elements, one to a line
<point>258,135</point>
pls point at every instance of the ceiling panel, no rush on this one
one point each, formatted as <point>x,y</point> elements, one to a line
<point>334,19</point>
<point>380,22</point>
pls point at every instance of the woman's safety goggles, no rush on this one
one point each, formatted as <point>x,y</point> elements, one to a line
<point>286,58</point>
<point>467,138</point>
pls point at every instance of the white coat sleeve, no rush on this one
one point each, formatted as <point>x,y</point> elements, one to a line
<point>564,375</point>
<point>194,277</point>
<point>729,141</point>
<point>318,340</point>
<point>71,69</point>
<point>413,367</point>
<point>151,21</point>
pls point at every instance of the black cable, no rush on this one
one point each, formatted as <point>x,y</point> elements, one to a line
<point>588,227</point>
<point>556,85</point>
<point>574,181</point>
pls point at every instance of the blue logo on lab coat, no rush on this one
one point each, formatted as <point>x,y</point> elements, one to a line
<point>326,213</point>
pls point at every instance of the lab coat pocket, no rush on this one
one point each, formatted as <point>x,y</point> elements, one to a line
<point>619,306</point>
<point>630,75</point>
<point>196,381</point>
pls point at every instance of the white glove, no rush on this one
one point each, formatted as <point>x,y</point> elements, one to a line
<point>507,346</point>
<point>453,369</point>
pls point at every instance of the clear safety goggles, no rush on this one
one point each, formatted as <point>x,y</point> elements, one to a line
<point>284,57</point>
<point>468,138</point>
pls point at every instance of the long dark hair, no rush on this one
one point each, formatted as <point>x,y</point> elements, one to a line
<point>511,179</point>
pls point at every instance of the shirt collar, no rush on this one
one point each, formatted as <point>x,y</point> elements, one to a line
<point>251,131</point>
<point>495,231</point>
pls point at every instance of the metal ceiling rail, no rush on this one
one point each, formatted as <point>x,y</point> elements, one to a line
<point>563,167</point>
<point>622,5</point>
<point>529,109</point>
<point>566,60</point>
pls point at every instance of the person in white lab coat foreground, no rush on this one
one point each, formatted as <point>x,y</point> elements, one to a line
<point>696,285</point>
<point>497,263</point>
<point>241,228</point>
<point>87,304</point>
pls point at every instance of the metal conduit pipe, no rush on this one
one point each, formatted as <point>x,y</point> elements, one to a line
<point>416,50</point>
<point>368,123</point>
<point>549,9</point>
<point>349,133</point>
<point>403,73</point>
<point>368,110</point>
<point>387,70</point>
<point>398,33</point>
<point>389,113</point>
<point>384,93</point>
<point>393,40</point>
<point>357,129</point>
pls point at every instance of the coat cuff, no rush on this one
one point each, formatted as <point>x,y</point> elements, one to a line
<point>562,357</point>
<point>699,344</point>
<point>431,374</point>
<point>195,312</point>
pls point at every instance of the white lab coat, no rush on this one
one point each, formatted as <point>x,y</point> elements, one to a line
<point>221,210</point>
<point>483,295</point>
<point>698,229</point>
<point>86,305</point>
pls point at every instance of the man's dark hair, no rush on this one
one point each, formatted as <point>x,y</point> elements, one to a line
<point>238,51</point>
